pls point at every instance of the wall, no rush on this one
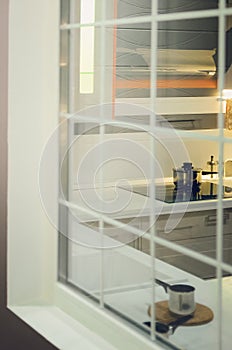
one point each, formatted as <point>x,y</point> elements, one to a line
<point>4,8</point>
<point>15,334</point>
<point>33,114</point>
<point>201,150</point>
<point>122,166</point>
<point>127,157</point>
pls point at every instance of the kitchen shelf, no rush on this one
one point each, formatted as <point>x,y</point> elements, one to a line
<point>167,84</point>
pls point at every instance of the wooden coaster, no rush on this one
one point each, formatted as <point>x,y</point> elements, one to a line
<point>202,314</point>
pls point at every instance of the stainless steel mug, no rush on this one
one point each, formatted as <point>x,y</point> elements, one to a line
<point>181,297</point>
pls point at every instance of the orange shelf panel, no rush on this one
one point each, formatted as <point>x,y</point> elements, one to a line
<point>168,84</point>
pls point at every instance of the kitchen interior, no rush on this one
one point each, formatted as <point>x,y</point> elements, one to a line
<point>180,207</point>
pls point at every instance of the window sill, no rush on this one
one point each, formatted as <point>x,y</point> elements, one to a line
<point>75,322</point>
<point>60,329</point>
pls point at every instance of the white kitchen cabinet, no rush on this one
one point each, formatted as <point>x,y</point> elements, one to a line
<point>192,225</point>
<point>196,231</point>
<point>177,43</point>
<point>119,234</point>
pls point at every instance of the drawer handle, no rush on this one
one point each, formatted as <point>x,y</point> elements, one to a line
<point>211,220</point>
<point>176,229</point>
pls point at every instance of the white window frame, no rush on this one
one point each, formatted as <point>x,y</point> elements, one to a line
<point>34,292</point>
<point>34,295</point>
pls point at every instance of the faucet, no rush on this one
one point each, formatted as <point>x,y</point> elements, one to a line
<point>212,163</point>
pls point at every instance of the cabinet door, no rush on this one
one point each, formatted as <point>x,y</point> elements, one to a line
<point>205,246</point>
<point>185,51</point>
<point>119,233</point>
<point>196,231</point>
<point>210,221</point>
<point>193,225</point>
<point>190,226</point>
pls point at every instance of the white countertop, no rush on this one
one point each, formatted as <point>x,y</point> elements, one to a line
<point>134,304</point>
<point>120,203</point>
<point>127,289</point>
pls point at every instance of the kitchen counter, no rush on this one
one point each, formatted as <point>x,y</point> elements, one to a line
<point>191,225</point>
<point>120,203</point>
<point>134,304</point>
<point>127,290</point>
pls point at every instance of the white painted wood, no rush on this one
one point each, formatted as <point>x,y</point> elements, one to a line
<point>33,115</point>
<point>169,105</point>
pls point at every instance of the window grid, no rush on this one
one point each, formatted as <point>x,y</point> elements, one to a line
<point>221,139</point>
<point>101,139</point>
<point>152,125</point>
<point>149,19</point>
<point>153,130</point>
<point>138,232</point>
<point>219,227</point>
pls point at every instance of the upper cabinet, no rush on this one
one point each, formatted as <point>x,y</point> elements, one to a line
<point>185,55</point>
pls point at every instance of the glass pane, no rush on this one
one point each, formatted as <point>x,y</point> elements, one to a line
<point>134,8</point>
<point>133,68</point>
<point>195,231</point>
<point>84,261</point>
<point>166,6</point>
<point>64,11</point>
<point>186,58</point>
<point>228,57</point>
<point>227,192</point>
<point>123,9</point>
<point>113,157</point>
<point>200,295</point>
<point>90,68</point>
<point>226,312</point>
<point>132,296</point>
<point>64,71</point>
